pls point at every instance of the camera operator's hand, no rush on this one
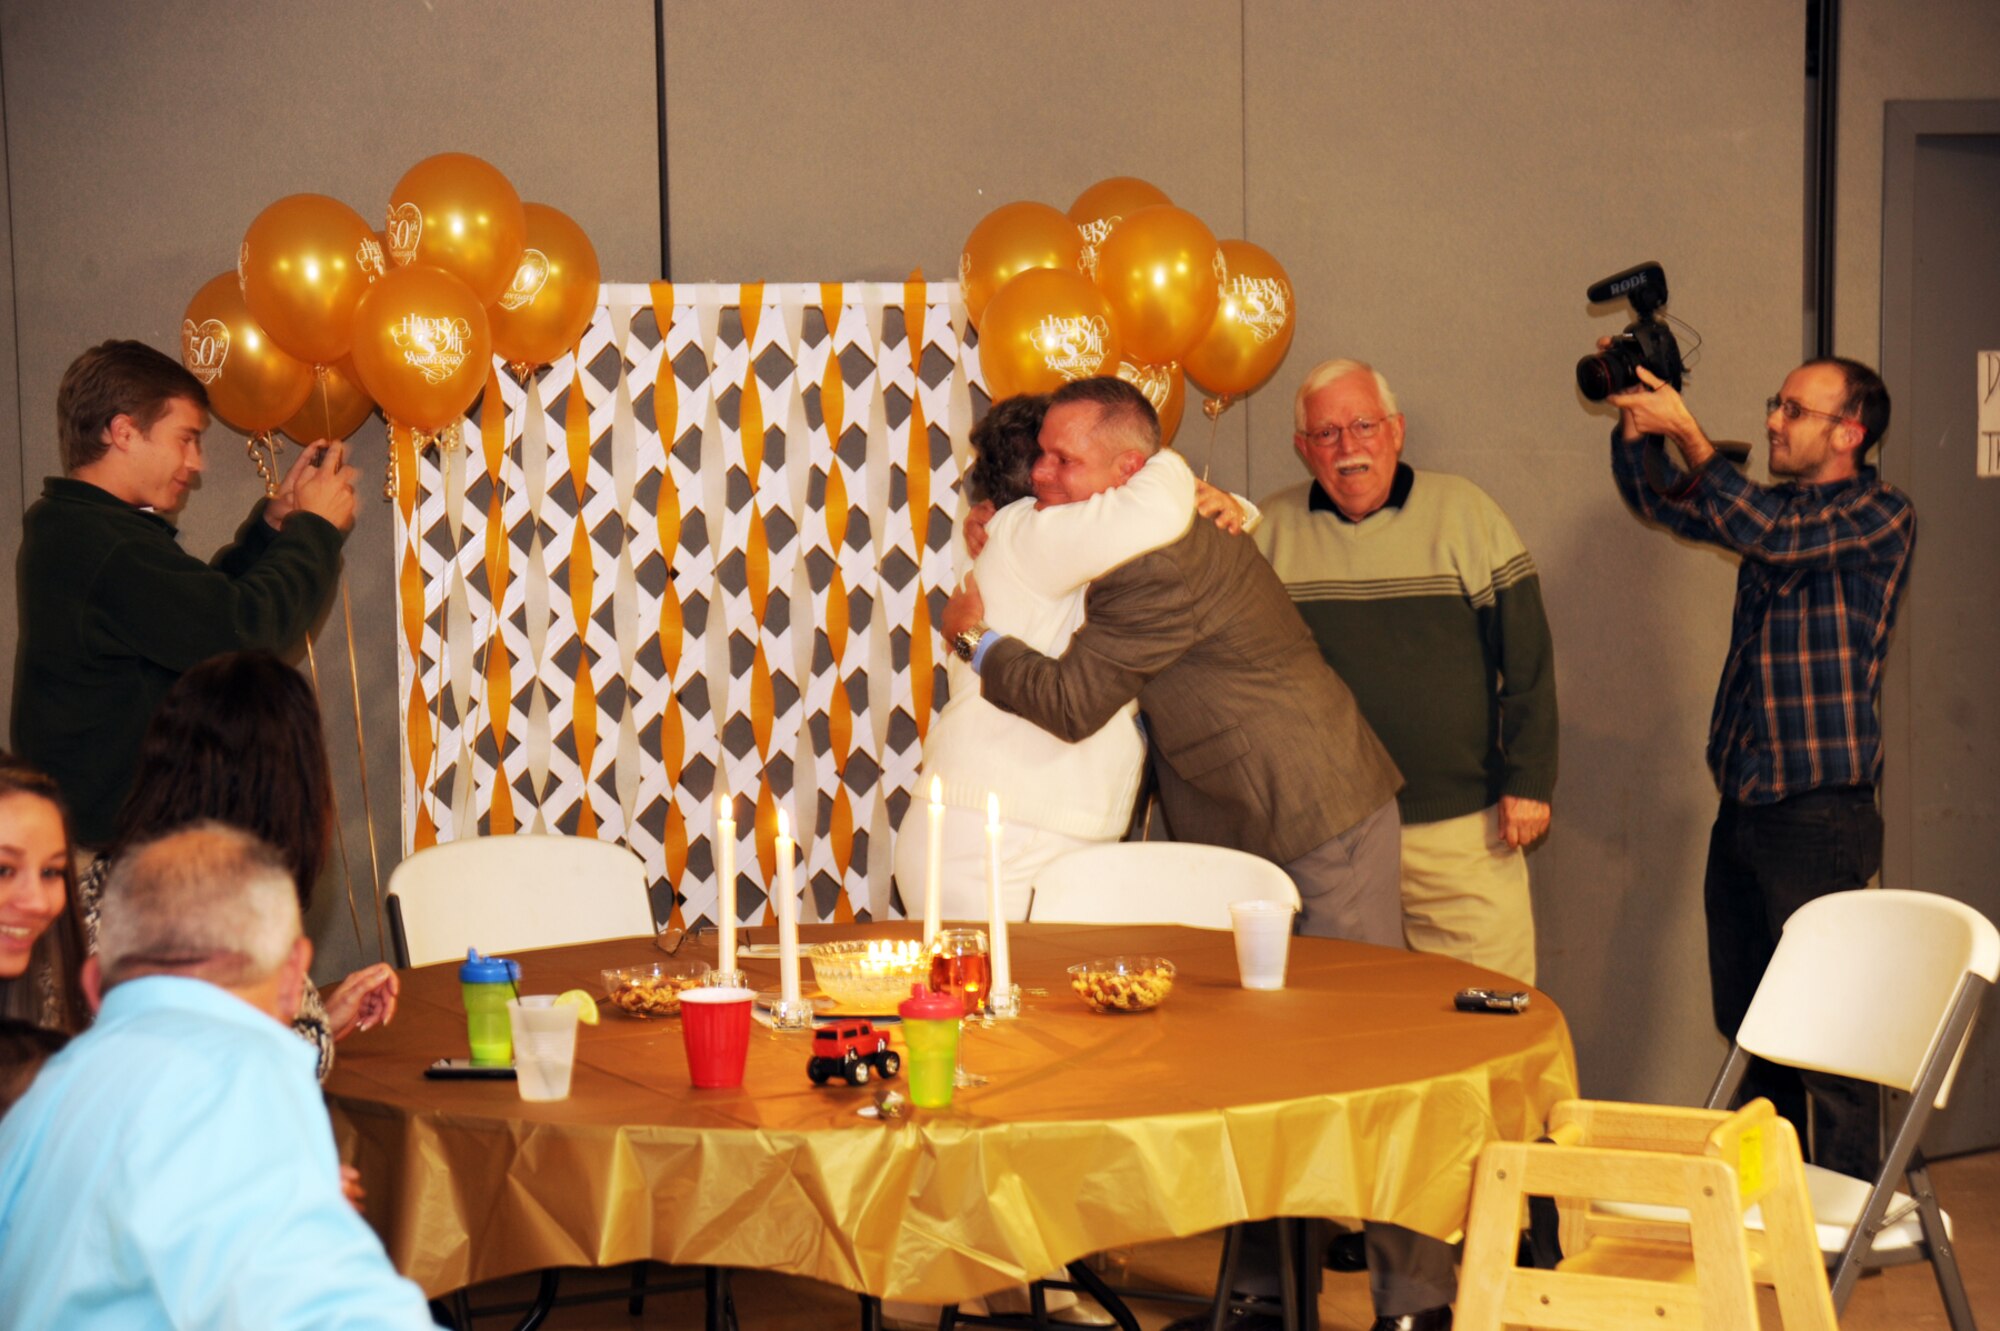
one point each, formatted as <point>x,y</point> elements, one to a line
<point>327,490</point>
<point>282,504</point>
<point>1660,410</point>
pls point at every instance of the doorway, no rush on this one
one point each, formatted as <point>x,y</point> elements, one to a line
<point>1940,307</point>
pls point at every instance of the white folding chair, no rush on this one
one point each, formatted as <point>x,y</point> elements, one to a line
<point>1155,882</point>
<point>1881,985</point>
<point>510,893</point>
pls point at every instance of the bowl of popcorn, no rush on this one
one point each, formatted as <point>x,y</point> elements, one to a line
<point>654,989</point>
<point>1123,984</point>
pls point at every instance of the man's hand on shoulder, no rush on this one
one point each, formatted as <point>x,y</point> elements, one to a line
<point>976,519</point>
<point>325,489</point>
<point>1219,507</point>
<point>1523,821</point>
<point>965,610</point>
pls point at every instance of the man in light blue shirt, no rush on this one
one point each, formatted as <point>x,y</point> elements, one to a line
<point>174,1166</point>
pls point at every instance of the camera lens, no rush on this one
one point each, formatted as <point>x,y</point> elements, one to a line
<point>1597,377</point>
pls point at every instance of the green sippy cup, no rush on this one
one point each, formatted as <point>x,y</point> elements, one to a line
<point>930,1032</point>
<point>486,984</point>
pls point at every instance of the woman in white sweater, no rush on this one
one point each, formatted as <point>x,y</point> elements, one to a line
<point>1033,571</point>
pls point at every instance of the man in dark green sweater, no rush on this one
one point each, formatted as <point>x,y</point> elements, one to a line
<point>1425,602</point>
<point>112,611</point>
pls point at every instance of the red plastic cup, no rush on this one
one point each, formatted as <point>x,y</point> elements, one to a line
<point>715,1028</point>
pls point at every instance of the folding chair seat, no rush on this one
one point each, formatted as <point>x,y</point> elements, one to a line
<point>1882,985</point>
<point>511,893</point>
<point>1682,1274</point>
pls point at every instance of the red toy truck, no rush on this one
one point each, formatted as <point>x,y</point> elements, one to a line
<point>849,1048</point>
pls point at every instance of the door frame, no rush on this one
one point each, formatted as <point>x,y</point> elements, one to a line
<point>1903,124</point>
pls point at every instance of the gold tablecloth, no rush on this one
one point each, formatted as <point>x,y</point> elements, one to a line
<point>1355,1091</point>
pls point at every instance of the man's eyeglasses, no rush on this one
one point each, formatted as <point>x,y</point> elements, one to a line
<point>1361,431</point>
<point>1791,411</point>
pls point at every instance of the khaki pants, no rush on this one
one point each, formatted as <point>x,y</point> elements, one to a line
<point>1465,894</point>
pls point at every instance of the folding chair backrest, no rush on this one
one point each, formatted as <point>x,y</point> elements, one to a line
<point>512,893</point>
<point>1156,882</point>
<point>1862,984</point>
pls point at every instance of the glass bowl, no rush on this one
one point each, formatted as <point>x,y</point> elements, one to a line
<point>869,975</point>
<point>1123,984</point>
<point>653,989</point>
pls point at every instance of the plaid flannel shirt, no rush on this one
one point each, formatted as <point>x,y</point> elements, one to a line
<point>1822,573</point>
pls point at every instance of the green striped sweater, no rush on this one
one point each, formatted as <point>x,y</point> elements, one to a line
<point>1432,614</point>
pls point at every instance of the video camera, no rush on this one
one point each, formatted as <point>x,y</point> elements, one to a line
<point>1646,340</point>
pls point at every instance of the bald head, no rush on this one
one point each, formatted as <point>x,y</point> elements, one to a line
<point>210,902</point>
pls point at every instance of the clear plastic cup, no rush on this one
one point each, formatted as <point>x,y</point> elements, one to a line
<point>544,1045</point>
<point>1263,941</point>
<point>715,1028</point>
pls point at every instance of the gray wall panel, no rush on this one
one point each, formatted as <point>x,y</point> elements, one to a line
<point>1442,191</point>
<point>142,139</point>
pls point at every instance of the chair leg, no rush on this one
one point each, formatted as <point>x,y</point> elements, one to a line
<point>1107,1297</point>
<point>636,1305</point>
<point>1944,1260</point>
<point>948,1317</point>
<point>721,1311</point>
<point>1288,1275</point>
<point>545,1301</point>
<point>1225,1277</point>
<point>871,1313</point>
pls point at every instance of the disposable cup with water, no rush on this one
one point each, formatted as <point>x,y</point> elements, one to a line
<point>544,1045</point>
<point>1263,940</point>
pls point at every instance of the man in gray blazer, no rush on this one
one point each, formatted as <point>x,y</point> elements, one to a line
<point>1257,744</point>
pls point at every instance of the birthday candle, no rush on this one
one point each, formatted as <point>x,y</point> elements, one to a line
<point>725,886</point>
<point>934,865</point>
<point>996,925</point>
<point>788,915</point>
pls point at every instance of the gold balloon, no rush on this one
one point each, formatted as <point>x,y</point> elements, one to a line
<point>1100,208</point>
<point>553,295</point>
<point>1160,271</point>
<point>422,347</point>
<point>459,213</point>
<point>304,264</point>
<point>1012,239</point>
<point>1165,387</point>
<point>335,405</point>
<point>251,382</point>
<point>1252,329</point>
<point>1044,328</point>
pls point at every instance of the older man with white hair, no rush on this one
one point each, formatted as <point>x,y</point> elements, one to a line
<point>174,1166</point>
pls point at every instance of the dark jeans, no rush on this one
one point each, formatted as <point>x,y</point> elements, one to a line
<point>1764,862</point>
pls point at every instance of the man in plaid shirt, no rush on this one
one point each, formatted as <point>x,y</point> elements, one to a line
<point>1795,743</point>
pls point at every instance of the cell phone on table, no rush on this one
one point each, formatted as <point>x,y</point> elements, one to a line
<point>464,1069</point>
<point>1490,1000</point>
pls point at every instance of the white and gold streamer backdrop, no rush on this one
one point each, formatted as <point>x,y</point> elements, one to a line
<point>705,550</point>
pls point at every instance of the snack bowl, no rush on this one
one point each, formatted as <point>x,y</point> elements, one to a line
<point>653,989</point>
<point>1123,984</point>
<point>869,975</point>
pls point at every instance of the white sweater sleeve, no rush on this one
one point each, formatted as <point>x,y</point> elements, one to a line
<point>1056,550</point>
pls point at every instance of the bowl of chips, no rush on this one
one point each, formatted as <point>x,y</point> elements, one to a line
<point>654,989</point>
<point>1123,984</point>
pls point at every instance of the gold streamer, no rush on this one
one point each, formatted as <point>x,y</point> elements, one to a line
<point>839,725</point>
<point>750,426</point>
<point>757,565</point>
<point>763,707</point>
<point>498,667</point>
<point>583,728</point>
<point>914,310</point>
<point>836,615</point>
<point>840,836</point>
<point>767,846</point>
<point>836,520</point>
<point>576,428</point>
<point>750,307</point>
<point>676,849</point>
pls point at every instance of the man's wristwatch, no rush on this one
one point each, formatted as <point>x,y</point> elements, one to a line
<point>966,643</point>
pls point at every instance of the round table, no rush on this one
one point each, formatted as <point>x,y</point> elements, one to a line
<point>1356,1091</point>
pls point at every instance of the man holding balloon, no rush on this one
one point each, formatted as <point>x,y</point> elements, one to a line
<point>112,610</point>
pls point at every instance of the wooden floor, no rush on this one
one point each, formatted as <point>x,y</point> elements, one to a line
<point>1902,1299</point>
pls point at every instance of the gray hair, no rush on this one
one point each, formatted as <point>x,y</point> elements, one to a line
<point>206,900</point>
<point>1325,373</point>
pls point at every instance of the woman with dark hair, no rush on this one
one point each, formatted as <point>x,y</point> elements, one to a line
<point>41,931</point>
<point>1033,571</point>
<point>238,739</point>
